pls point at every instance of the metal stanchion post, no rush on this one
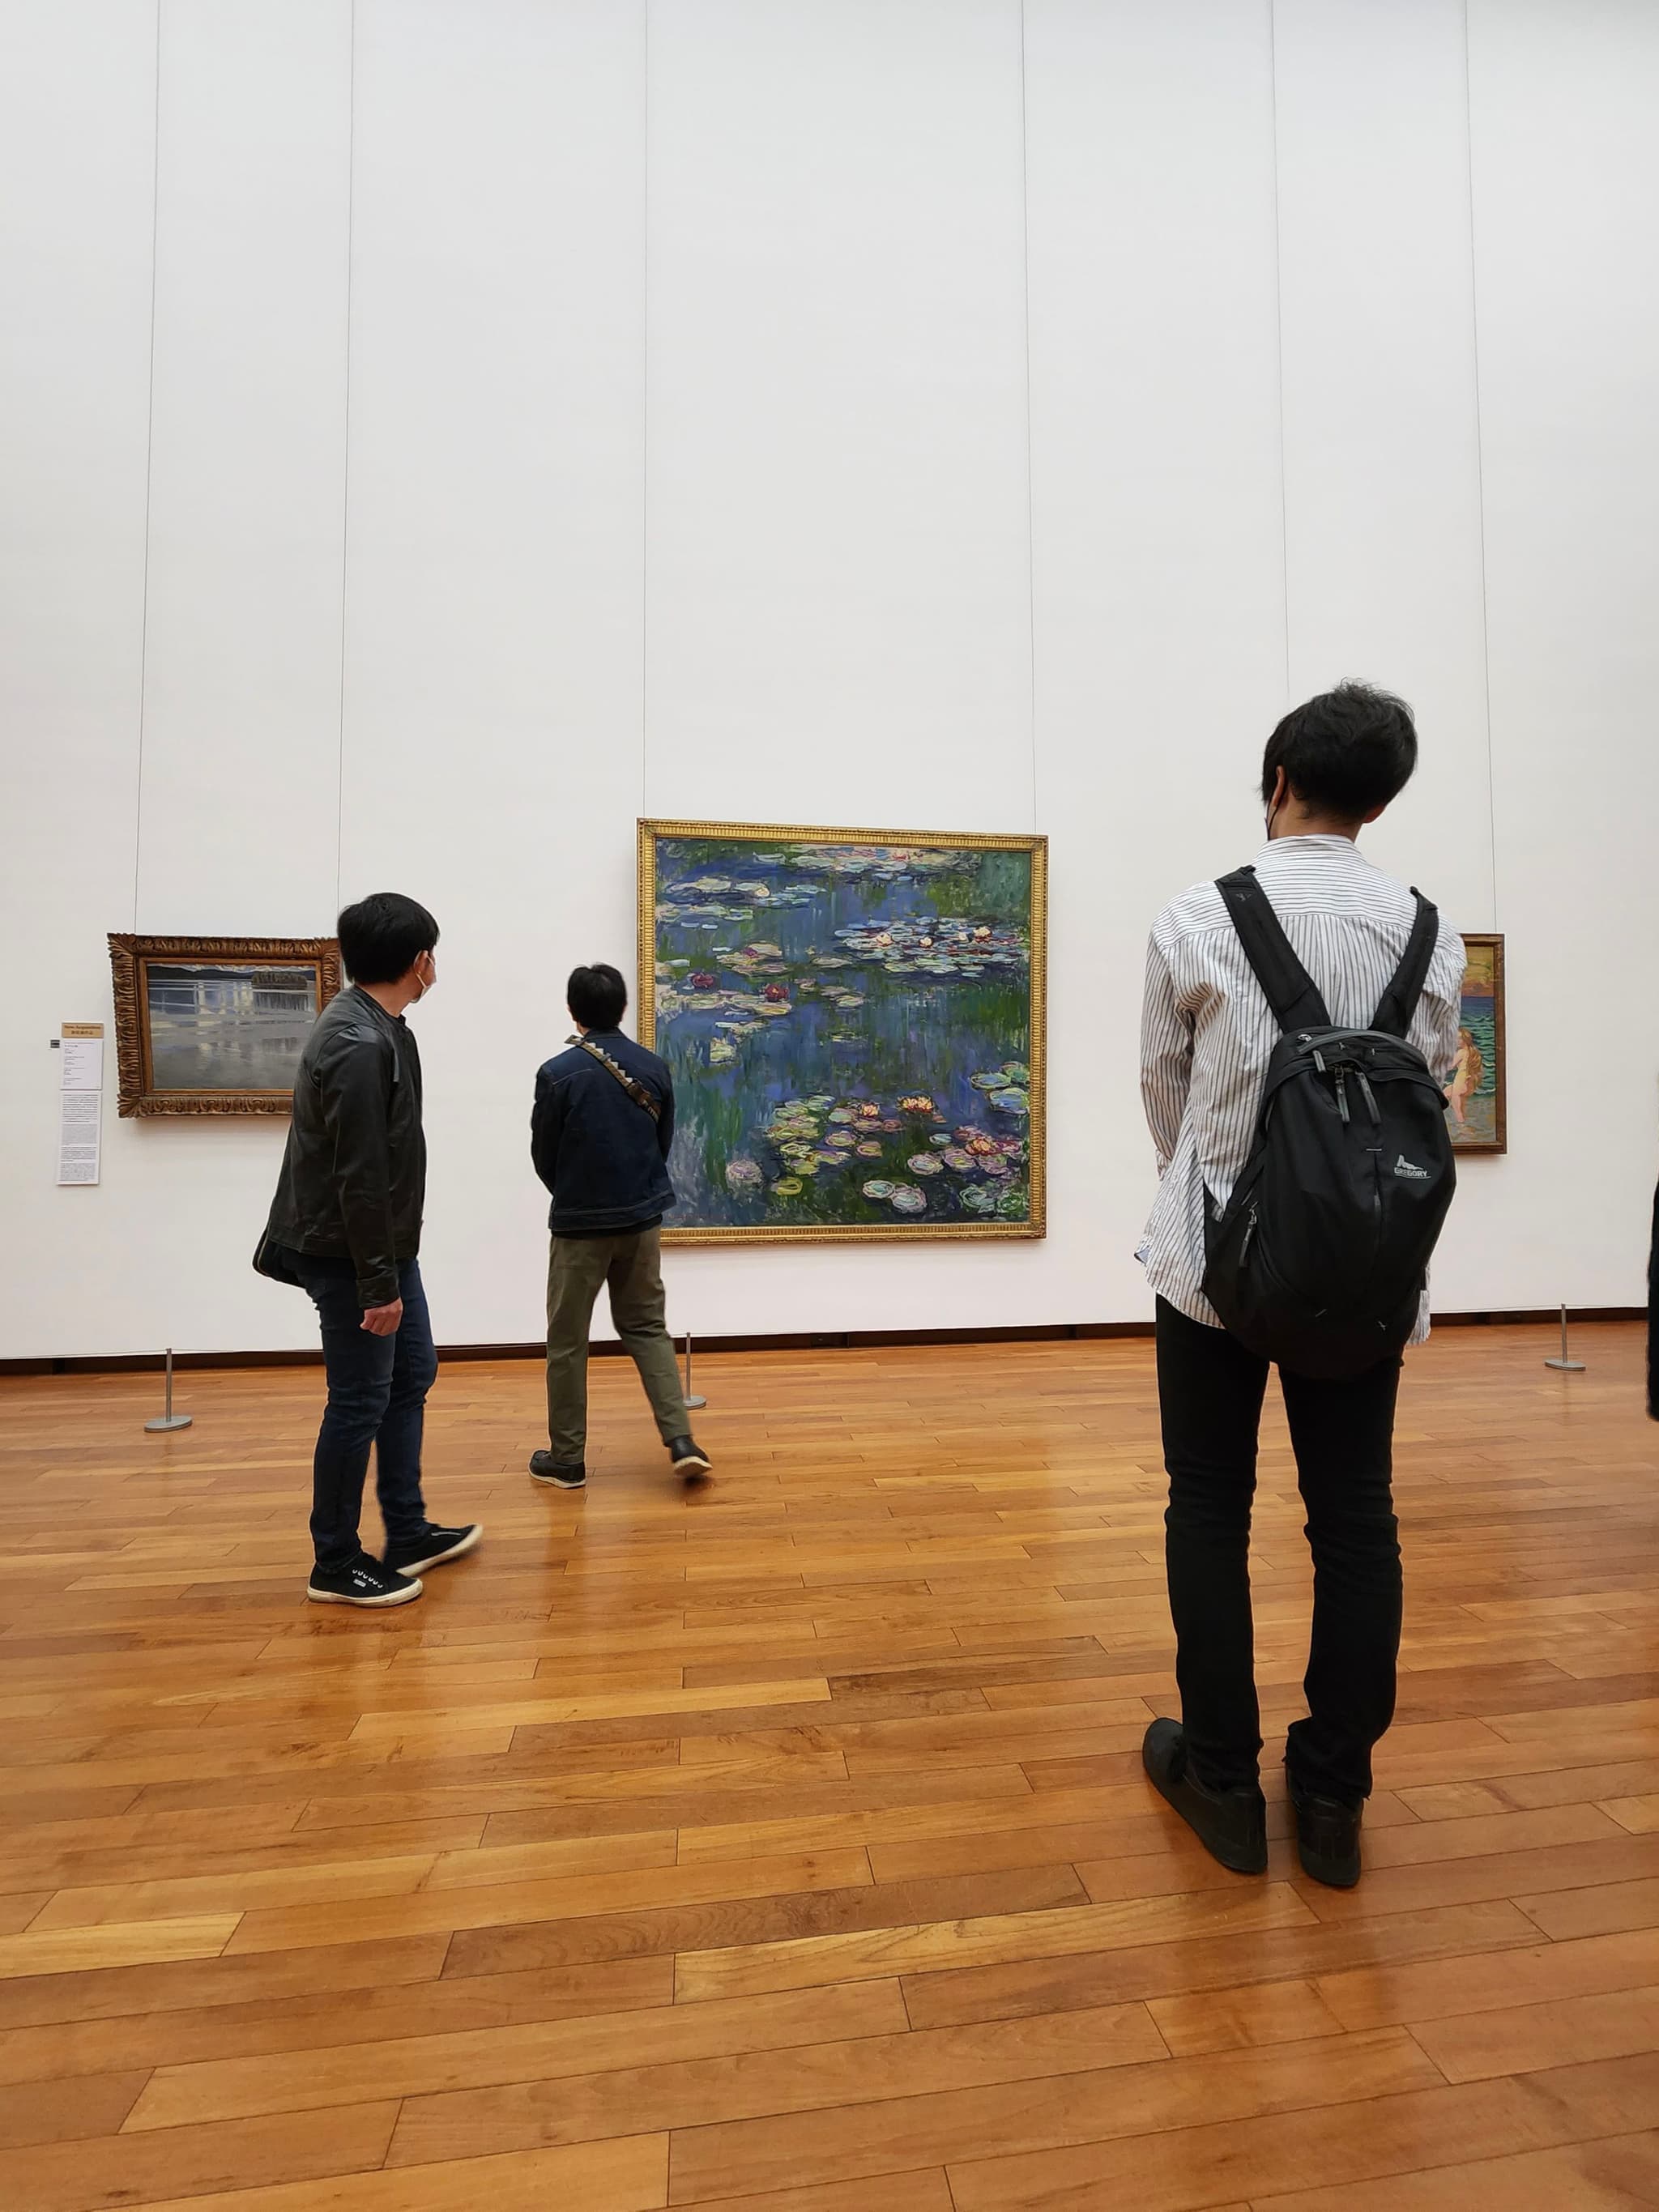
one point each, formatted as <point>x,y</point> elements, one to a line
<point>1565,1364</point>
<point>691,1402</point>
<point>170,1420</point>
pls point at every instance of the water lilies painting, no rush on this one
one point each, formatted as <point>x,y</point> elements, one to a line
<point>854,1020</point>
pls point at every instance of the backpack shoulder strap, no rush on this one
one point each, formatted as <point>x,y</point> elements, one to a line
<point>1393,1016</point>
<point>1292,991</point>
<point>635,1090</point>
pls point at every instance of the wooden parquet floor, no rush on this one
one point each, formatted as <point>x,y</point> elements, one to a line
<point>784,1848</point>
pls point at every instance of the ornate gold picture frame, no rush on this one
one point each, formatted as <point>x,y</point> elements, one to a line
<point>1477,1104</point>
<point>856,1023</point>
<point>216,1025</point>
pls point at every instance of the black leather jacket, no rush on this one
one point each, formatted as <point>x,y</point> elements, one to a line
<point>353,1184</point>
<point>599,1153</point>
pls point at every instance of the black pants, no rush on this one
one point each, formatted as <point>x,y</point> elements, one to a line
<point>377,1387</point>
<point>1210,1391</point>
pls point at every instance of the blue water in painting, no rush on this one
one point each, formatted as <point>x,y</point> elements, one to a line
<point>1478,1015</point>
<point>770,1052</point>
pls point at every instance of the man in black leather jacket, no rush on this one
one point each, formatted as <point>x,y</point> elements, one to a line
<point>600,1135</point>
<point>345,1226</point>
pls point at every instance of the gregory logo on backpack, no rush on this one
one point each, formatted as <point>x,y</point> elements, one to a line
<point>1318,1258</point>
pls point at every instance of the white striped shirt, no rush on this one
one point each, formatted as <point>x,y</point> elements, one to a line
<point>1207,1032</point>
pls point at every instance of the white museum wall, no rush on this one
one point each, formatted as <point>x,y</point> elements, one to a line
<point>493,630</point>
<point>436,433</point>
<point>1158,580</point>
<point>1566,191</point>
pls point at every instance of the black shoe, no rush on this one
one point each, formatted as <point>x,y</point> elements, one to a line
<point>543,1467</point>
<point>685,1459</point>
<point>433,1549</point>
<point>1328,1837</point>
<point>1231,1824</point>
<point>365,1582</point>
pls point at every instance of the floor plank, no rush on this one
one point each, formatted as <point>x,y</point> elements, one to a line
<point>926,2191</point>
<point>415,2066</point>
<point>138,1943</point>
<point>334,2020</point>
<point>1525,2039</point>
<point>1594,2177</point>
<point>59,2111</point>
<point>123,2169</point>
<point>1180,2169</point>
<point>953,2125</point>
<point>622,2175</point>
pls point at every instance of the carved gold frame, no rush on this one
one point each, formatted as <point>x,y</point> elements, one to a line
<point>1037,1118</point>
<point>1499,1141</point>
<point>130,955</point>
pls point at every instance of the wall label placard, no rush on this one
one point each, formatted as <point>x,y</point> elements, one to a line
<point>79,1047</point>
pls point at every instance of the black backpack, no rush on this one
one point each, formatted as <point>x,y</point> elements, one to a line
<point>1318,1258</point>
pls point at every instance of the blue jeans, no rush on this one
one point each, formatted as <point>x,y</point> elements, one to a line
<point>377,1387</point>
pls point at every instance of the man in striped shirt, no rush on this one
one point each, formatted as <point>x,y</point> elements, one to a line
<point>1207,1035</point>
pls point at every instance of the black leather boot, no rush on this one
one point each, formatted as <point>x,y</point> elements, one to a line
<point>1231,1824</point>
<point>1327,1837</point>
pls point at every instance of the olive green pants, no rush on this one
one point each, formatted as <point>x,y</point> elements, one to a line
<point>631,1267</point>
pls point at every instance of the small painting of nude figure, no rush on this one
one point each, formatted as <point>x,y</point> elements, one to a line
<point>1475,1097</point>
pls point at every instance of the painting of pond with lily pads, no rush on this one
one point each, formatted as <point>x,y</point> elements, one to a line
<point>855,1022</point>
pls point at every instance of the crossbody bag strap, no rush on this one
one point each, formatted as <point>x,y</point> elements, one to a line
<point>635,1090</point>
<point>1292,991</point>
<point>1393,1015</point>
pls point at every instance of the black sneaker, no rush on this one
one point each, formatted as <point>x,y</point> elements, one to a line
<point>1327,1837</point>
<point>543,1467</point>
<point>685,1459</point>
<point>433,1549</point>
<point>365,1582</point>
<point>1231,1824</point>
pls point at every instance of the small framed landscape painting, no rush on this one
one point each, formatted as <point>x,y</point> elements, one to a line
<point>1475,1095</point>
<point>216,1025</point>
<point>854,1020</point>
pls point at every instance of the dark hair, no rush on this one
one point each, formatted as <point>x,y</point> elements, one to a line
<point>383,936</point>
<point>1346,752</point>
<point>597,996</point>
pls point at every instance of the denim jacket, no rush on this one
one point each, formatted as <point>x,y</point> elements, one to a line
<point>599,1152</point>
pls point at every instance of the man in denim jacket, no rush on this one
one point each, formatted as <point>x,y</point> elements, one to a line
<point>603,1122</point>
